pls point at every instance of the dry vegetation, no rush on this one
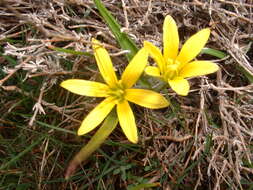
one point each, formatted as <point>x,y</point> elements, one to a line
<point>202,141</point>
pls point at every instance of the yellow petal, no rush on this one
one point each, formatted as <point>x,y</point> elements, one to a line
<point>135,68</point>
<point>96,116</point>
<point>180,86</point>
<point>193,46</point>
<point>156,54</point>
<point>170,38</point>
<point>127,121</point>
<point>104,63</point>
<point>85,87</point>
<point>198,68</point>
<point>153,71</point>
<point>146,98</point>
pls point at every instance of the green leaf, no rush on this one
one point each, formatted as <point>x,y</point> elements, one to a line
<point>103,132</point>
<point>122,38</point>
<point>246,73</point>
<point>214,52</point>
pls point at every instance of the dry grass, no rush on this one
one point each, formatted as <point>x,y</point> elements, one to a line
<point>203,141</point>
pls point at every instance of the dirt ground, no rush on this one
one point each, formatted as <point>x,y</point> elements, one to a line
<point>202,141</point>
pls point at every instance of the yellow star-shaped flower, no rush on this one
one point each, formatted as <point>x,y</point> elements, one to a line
<point>116,92</point>
<point>173,66</point>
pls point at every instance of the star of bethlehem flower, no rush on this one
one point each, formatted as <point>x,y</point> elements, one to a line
<point>174,66</point>
<point>116,92</point>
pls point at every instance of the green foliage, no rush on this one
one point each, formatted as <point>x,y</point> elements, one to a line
<point>122,38</point>
<point>246,74</point>
<point>214,52</point>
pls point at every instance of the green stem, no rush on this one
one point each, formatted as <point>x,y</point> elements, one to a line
<point>103,132</point>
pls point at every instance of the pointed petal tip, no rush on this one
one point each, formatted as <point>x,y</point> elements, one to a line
<point>206,33</point>
<point>66,84</point>
<point>207,30</point>
<point>145,43</point>
<point>165,104</point>
<point>94,40</point>
<point>168,17</point>
<point>62,84</point>
<point>135,141</point>
<point>80,132</point>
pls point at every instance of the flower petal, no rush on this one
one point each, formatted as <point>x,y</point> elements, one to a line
<point>146,98</point>
<point>156,54</point>
<point>104,63</point>
<point>198,68</point>
<point>170,38</point>
<point>96,116</point>
<point>85,87</point>
<point>153,71</point>
<point>180,86</point>
<point>135,68</point>
<point>127,121</point>
<point>193,46</point>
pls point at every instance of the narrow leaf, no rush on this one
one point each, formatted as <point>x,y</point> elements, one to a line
<point>214,52</point>
<point>122,38</point>
<point>246,73</point>
<point>103,132</point>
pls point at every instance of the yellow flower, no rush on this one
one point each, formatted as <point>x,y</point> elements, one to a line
<point>174,66</point>
<point>116,92</point>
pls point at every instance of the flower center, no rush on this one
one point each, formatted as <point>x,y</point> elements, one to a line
<point>172,69</point>
<point>118,92</point>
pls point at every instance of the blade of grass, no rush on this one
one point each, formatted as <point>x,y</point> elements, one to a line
<point>132,147</point>
<point>28,149</point>
<point>246,74</point>
<point>56,128</point>
<point>208,145</point>
<point>122,38</point>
